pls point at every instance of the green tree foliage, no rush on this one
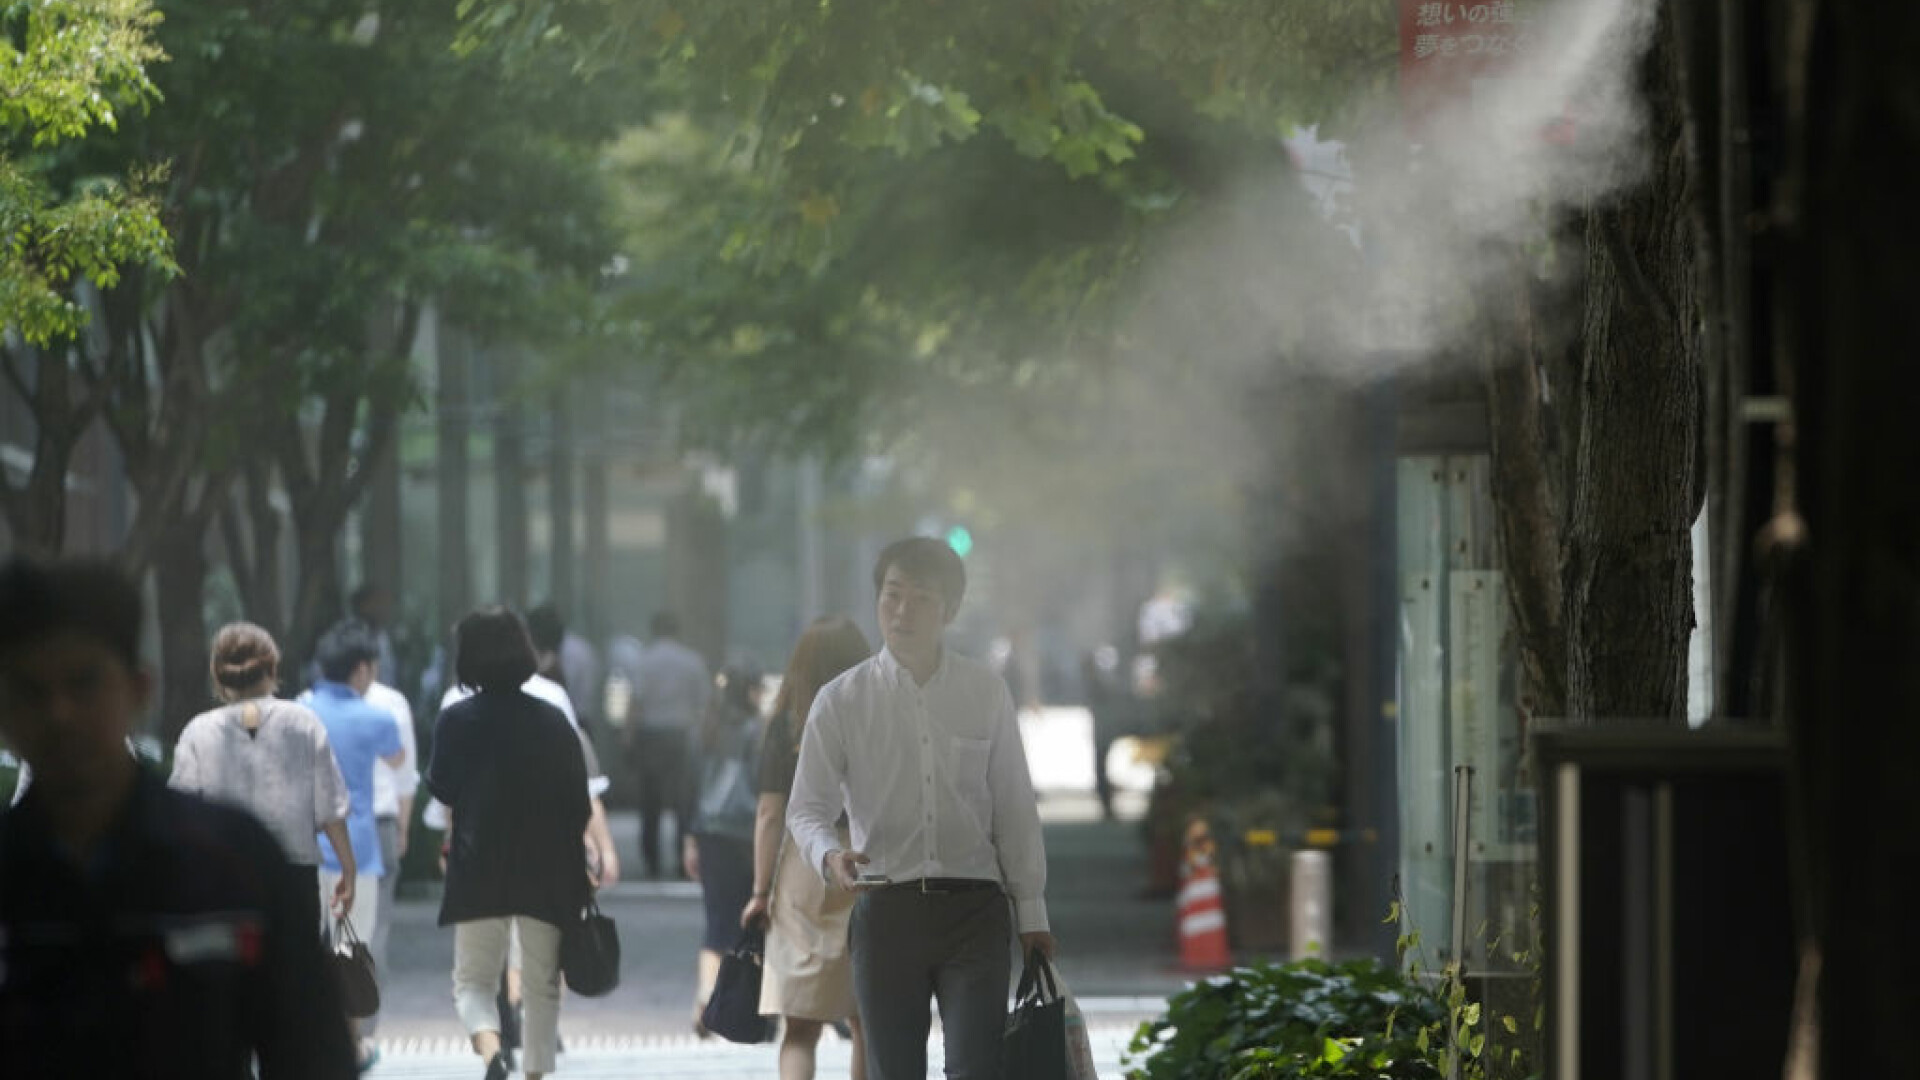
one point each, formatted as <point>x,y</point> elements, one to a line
<point>336,171</point>
<point>69,68</point>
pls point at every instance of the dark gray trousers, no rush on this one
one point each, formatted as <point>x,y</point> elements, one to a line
<point>956,948</point>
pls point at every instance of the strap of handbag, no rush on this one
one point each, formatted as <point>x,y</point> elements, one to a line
<point>1037,981</point>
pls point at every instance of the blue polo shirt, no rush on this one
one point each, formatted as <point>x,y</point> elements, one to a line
<point>360,734</point>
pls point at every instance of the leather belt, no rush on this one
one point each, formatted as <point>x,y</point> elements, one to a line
<point>943,885</point>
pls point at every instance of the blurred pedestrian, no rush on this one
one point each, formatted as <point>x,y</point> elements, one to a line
<point>808,975</point>
<point>920,748</point>
<point>144,932</point>
<point>546,631</point>
<point>394,788</point>
<point>1105,692</point>
<point>670,687</point>
<point>363,736</point>
<point>271,758</point>
<point>372,604</point>
<point>511,772</point>
<point>717,850</point>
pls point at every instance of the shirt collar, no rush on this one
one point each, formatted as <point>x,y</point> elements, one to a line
<point>333,689</point>
<point>897,673</point>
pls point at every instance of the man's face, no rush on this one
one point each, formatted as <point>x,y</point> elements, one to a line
<point>66,706</point>
<point>912,613</point>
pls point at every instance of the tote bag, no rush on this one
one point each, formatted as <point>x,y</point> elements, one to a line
<point>1034,1046</point>
<point>590,953</point>
<point>733,1012</point>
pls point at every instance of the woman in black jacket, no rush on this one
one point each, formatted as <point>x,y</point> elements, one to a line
<point>509,768</point>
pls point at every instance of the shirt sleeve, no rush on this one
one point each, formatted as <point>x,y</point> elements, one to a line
<point>815,802</point>
<point>406,778</point>
<point>1016,821</point>
<point>186,775</point>
<point>330,799</point>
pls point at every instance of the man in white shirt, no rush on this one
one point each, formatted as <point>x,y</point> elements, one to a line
<point>921,749</point>
<point>670,686</point>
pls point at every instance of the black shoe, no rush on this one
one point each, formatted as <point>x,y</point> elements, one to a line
<point>497,1067</point>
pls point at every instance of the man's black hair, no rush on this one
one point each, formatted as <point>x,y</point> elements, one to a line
<point>88,596</point>
<point>345,646</point>
<point>924,558</point>
<point>546,627</point>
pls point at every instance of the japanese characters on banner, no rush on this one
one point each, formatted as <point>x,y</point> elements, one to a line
<point>1448,48</point>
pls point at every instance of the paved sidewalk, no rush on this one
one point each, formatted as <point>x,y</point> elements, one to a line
<point>1118,951</point>
<point>603,1059</point>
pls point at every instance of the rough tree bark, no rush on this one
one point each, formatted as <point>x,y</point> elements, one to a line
<point>64,400</point>
<point>1628,585</point>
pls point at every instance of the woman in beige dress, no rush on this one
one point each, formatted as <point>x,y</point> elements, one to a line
<point>808,976</point>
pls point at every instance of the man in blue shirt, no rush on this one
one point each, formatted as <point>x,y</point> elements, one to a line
<point>360,733</point>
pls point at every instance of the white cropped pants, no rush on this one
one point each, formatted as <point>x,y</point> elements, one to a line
<point>480,954</point>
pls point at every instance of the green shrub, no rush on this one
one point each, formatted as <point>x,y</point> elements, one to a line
<point>1308,1018</point>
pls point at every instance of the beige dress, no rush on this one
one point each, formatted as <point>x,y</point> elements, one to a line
<point>809,971</point>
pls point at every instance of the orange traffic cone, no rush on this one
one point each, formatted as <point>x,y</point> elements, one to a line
<point>1203,916</point>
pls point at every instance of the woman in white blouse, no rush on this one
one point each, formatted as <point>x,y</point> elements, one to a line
<point>270,757</point>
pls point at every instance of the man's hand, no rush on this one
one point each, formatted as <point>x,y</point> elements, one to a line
<point>1036,939</point>
<point>843,867</point>
<point>690,858</point>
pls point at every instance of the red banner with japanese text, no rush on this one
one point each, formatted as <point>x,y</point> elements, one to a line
<point>1450,50</point>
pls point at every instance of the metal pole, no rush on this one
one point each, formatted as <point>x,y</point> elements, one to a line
<point>1311,890</point>
<point>1462,811</point>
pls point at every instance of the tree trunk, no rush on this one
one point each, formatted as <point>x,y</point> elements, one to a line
<point>36,512</point>
<point>253,553</point>
<point>510,491</point>
<point>180,576</point>
<point>1528,430</point>
<point>561,587</point>
<point>380,532</point>
<point>452,411</point>
<point>596,505</point>
<point>1628,581</point>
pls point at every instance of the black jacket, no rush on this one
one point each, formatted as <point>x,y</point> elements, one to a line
<point>510,768</point>
<point>183,949</point>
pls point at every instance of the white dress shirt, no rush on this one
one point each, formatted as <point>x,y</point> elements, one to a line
<point>933,779</point>
<point>391,783</point>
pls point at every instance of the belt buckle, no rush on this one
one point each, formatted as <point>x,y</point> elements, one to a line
<point>925,891</point>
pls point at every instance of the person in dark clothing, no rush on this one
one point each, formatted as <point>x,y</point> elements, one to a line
<point>510,770</point>
<point>718,847</point>
<point>144,932</point>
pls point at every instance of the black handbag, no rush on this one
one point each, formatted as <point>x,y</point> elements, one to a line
<point>1034,1046</point>
<point>590,953</point>
<point>352,964</point>
<point>733,1011</point>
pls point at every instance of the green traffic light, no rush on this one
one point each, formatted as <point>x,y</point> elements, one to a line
<point>960,540</point>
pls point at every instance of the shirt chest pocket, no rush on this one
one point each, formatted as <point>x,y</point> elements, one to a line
<point>969,759</point>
